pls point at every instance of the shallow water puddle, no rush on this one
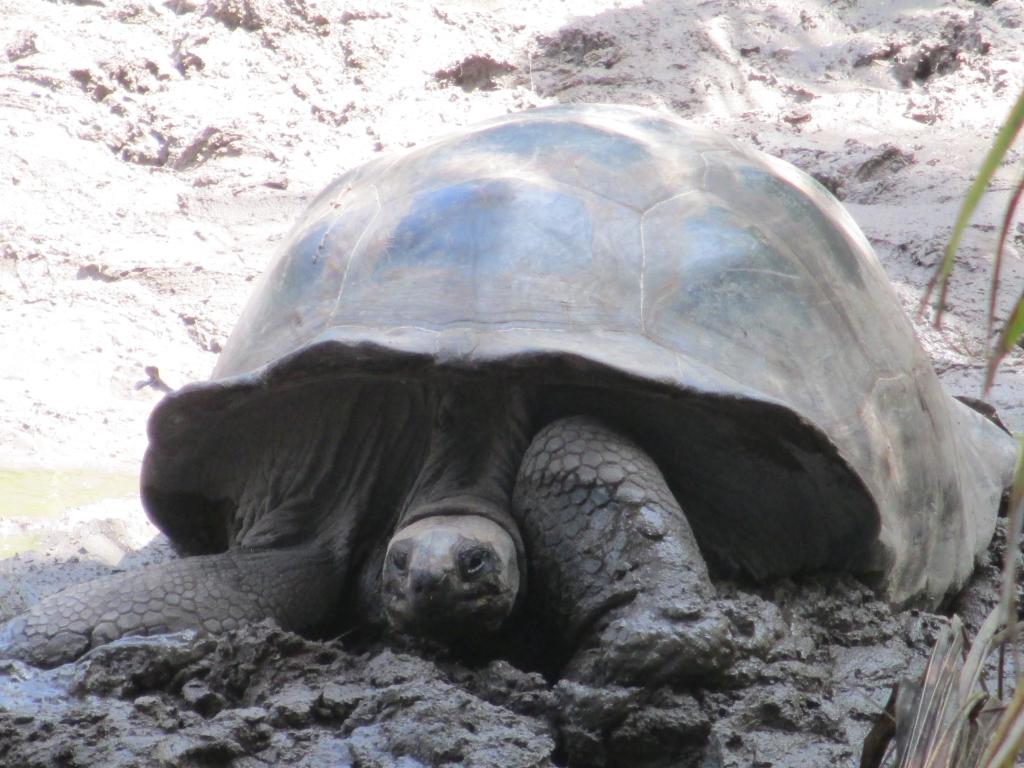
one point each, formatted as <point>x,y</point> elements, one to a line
<point>44,493</point>
<point>26,690</point>
<point>39,494</point>
<point>13,543</point>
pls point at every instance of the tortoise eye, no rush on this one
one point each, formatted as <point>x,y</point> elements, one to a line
<point>474,563</point>
<point>399,559</point>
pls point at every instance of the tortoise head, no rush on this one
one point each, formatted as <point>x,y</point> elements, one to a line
<point>449,576</point>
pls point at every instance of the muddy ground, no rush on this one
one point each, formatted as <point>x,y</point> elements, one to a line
<point>152,155</point>
<point>820,656</point>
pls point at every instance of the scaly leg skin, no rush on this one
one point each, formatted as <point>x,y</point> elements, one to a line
<point>613,561</point>
<point>297,587</point>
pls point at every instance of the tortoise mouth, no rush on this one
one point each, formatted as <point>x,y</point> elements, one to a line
<point>447,577</point>
<point>449,620</point>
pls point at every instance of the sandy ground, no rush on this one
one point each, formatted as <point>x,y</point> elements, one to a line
<point>152,155</point>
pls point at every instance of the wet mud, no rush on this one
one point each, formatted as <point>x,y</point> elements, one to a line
<point>819,659</point>
<point>155,154</point>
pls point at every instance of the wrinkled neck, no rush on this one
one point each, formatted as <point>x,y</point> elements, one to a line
<point>479,433</point>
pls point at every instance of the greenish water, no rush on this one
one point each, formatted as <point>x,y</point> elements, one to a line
<point>43,493</point>
<point>22,542</point>
<point>39,494</point>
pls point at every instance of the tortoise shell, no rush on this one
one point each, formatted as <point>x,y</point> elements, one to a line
<point>716,302</point>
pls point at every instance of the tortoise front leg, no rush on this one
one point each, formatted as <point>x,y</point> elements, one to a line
<point>297,587</point>
<point>614,566</point>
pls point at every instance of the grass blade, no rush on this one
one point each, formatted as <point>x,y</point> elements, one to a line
<point>997,265</point>
<point>948,719</point>
<point>1012,331</point>
<point>1006,742</point>
<point>1004,140</point>
<point>981,648</point>
<point>1008,598</point>
<point>935,698</point>
<point>982,733</point>
<point>954,735</point>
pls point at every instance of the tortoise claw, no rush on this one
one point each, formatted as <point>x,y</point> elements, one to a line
<point>645,644</point>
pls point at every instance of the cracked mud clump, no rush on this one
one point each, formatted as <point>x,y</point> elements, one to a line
<point>154,156</point>
<point>819,659</point>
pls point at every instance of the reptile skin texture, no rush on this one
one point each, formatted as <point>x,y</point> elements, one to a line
<point>618,576</point>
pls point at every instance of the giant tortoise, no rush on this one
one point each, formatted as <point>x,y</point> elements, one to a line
<point>541,372</point>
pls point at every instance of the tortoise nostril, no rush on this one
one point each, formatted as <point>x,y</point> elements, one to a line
<point>424,582</point>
